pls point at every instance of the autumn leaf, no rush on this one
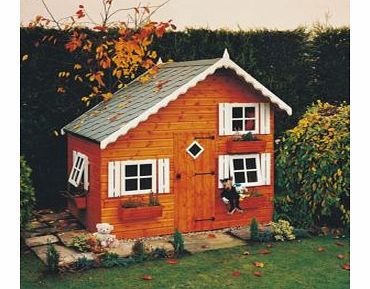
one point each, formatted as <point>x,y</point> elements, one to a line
<point>77,66</point>
<point>257,273</point>
<point>236,273</point>
<point>269,245</point>
<point>264,251</point>
<point>204,246</point>
<point>345,266</point>
<point>25,57</point>
<point>339,244</point>
<point>211,236</point>
<point>321,249</point>
<point>172,261</point>
<point>147,277</point>
<point>259,264</point>
<point>340,256</point>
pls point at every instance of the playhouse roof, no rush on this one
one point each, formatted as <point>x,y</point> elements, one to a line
<point>108,120</point>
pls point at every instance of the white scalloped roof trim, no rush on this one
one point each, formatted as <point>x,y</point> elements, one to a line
<point>223,62</point>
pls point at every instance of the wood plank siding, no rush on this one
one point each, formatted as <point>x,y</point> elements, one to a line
<point>165,135</point>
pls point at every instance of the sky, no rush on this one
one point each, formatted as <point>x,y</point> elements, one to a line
<point>213,14</point>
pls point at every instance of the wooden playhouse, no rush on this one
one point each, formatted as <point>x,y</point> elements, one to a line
<point>174,135</point>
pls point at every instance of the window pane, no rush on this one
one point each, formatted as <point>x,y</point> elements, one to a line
<point>146,170</point>
<point>250,164</point>
<point>237,125</point>
<point>238,164</point>
<point>195,149</point>
<point>239,177</point>
<point>237,112</point>
<point>249,124</point>
<point>145,183</point>
<point>131,170</point>
<point>249,112</point>
<point>131,185</point>
<point>252,177</point>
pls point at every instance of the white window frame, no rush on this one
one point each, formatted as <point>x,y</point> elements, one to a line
<point>199,153</point>
<point>79,166</point>
<point>230,118</point>
<point>245,170</point>
<point>138,163</point>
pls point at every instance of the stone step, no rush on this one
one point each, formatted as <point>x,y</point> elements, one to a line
<point>41,240</point>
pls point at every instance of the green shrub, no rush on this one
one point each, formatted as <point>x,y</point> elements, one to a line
<point>301,233</point>
<point>27,191</point>
<point>81,242</point>
<point>178,243</point>
<point>265,236</point>
<point>282,231</point>
<point>312,168</point>
<point>254,230</point>
<point>52,259</point>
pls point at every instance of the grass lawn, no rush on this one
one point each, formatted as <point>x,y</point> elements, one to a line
<point>289,265</point>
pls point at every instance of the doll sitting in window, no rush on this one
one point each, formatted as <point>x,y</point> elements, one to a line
<point>230,196</point>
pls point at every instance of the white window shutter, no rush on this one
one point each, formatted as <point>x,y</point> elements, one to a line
<point>86,174</point>
<point>223,168</point>
<point>163,175</point>
<point>114,179</point>
<point>264,118</point>
<point>266,168</point>
<point>228,122</point>
<point>221,119</point>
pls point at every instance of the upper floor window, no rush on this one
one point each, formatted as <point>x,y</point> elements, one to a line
<point>244,118</point>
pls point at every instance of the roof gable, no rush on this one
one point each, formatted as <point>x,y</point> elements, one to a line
<point>109,120</point>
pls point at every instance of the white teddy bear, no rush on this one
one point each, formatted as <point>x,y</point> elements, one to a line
<point>104,236</point>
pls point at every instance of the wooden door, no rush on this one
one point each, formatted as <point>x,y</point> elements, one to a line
<point>195,176</point>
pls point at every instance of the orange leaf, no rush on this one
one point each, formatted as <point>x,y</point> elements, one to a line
<point>321,249</point>
<point>264,251</point>
<point>259,264</point>
<point>147,277</point>
<point>172,261</point>
<point>236,273</point>
<point>257,273</point>
<point>346,266</point>
<point>211,236</point>
<point>340,256</point>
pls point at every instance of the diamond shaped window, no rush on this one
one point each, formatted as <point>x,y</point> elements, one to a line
<point>195,149</point>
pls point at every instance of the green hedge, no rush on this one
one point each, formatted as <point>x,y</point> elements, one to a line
<point>297,65</point>
<point>312,168</point>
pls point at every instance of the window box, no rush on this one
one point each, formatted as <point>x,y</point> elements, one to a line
<point>251,203</point>
<point>236,147</point>
<point>140,213</point>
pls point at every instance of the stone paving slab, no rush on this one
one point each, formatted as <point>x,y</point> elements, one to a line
<point>67,255</point>
<point>210,241</point>
<point>241,233</point>
<point>67,237</point>
<point>163,244</point>
<point>124,249</point>
<point>41,240</point>
<point>40,232</point>
<point>53,217</point>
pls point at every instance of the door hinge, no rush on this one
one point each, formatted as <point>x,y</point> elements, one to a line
<point>207,219</point>
<point>205,137</point>
<point>212,173</point>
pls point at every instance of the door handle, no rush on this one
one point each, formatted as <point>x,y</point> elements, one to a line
<point>178,176</point>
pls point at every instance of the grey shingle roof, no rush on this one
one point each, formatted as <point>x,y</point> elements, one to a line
<point>127,104</point>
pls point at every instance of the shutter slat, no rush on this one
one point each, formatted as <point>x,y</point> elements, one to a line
<point>263,168</point>
<point>223,168</point>
<point>227,120</point>
<point>166,175</point>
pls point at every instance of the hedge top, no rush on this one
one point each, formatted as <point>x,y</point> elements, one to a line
<point>129,106</point>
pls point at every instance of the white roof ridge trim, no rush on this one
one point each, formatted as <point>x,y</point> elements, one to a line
<point>223,62</point>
